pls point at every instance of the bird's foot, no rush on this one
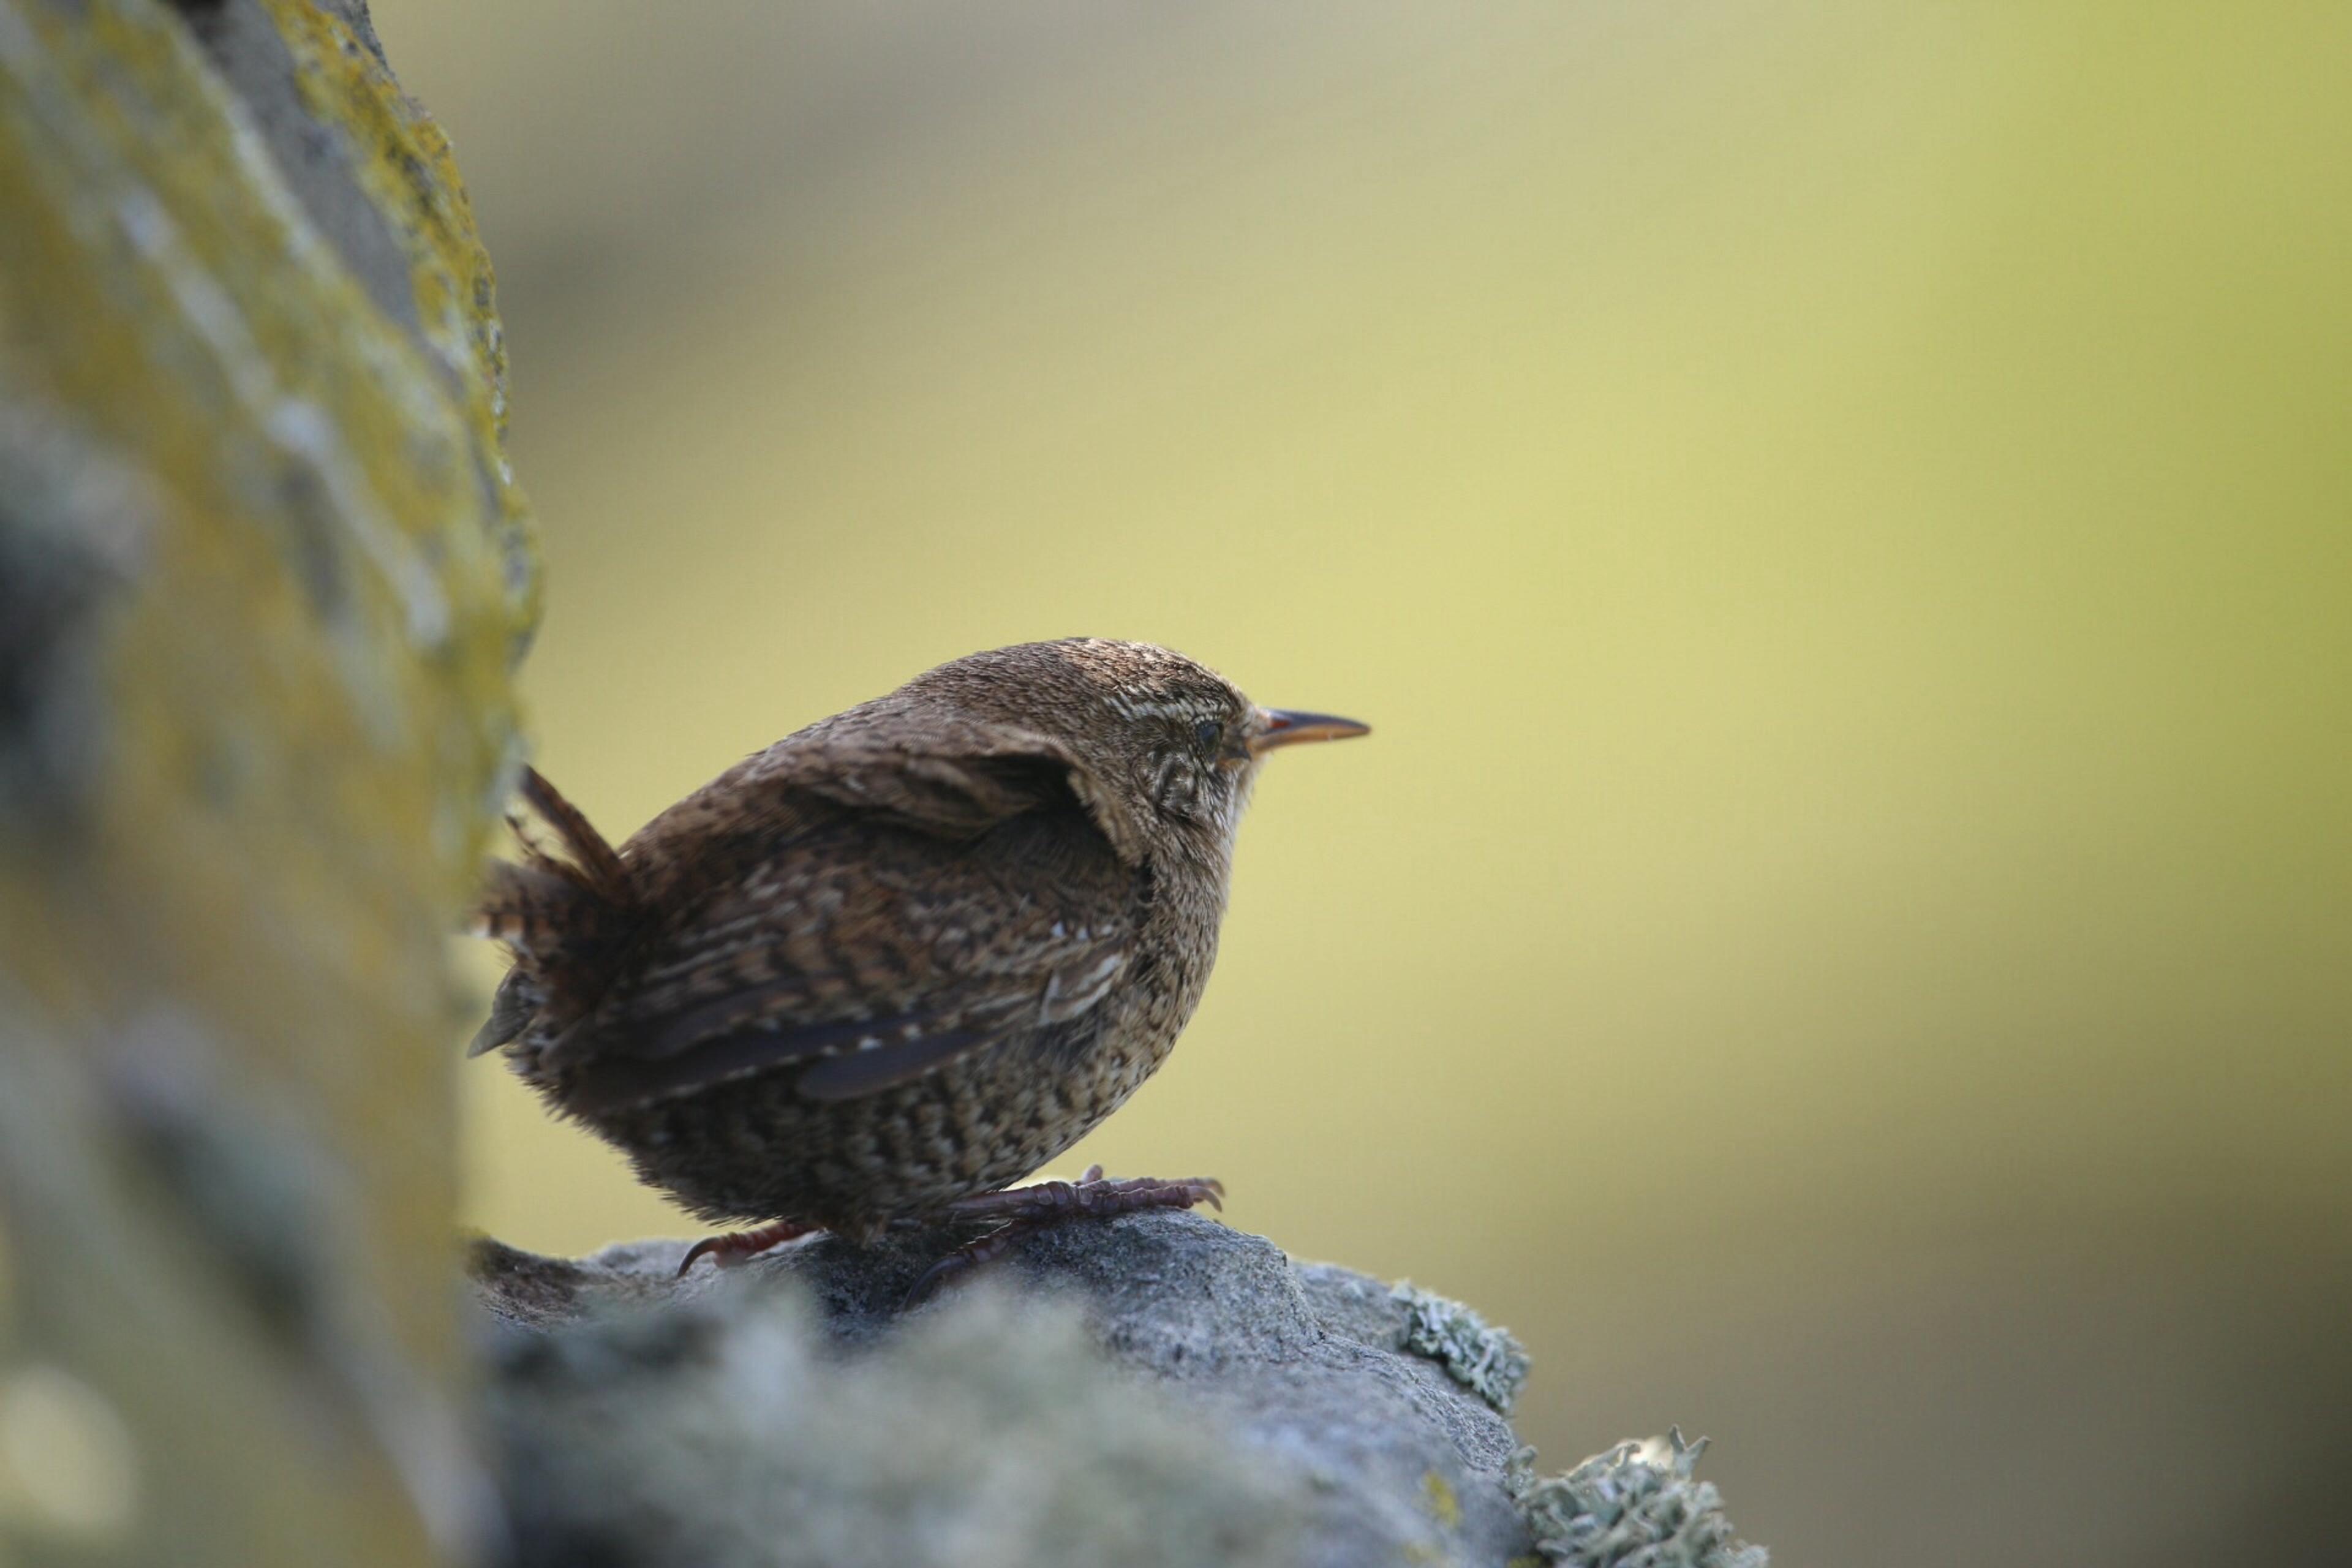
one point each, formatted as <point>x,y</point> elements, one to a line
<point>737,1247</point>
<point>1026,1210</point>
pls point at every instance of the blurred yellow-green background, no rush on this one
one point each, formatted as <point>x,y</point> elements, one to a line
<point>1842,516</point>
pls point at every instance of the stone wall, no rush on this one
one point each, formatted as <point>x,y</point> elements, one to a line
<point>264,573</point>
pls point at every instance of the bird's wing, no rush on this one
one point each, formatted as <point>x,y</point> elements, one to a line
<point>924,905</point>
<point>949,777</point>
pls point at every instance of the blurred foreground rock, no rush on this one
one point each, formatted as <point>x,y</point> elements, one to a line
<point>1156,1390</point>
<point>263,578</point>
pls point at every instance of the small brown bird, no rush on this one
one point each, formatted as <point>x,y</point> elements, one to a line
<point>902,958</point>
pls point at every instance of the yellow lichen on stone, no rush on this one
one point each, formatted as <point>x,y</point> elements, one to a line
<point>1443,1506</point>
<point>403,161</point>
<point>264,573</point>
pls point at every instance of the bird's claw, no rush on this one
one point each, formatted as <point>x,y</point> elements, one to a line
<point>1026,1210</point>
<point>736,1248</point>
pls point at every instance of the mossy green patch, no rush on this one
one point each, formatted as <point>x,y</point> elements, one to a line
<point>249,765</point>
<point>1443,1506</point>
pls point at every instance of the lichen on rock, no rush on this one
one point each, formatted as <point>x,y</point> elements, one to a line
<point>1488,1362</point>
<point>1636,1504</point>
<point>1153,1389</point>
<point>263,577</point>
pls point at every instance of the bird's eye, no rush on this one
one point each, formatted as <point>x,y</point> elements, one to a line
<point>1208,732</point>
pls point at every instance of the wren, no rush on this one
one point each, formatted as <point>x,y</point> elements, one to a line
<point>903,957</point>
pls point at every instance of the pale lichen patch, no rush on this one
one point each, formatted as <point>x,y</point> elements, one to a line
<point>1486,1360</point>
<point>1636,1505</point>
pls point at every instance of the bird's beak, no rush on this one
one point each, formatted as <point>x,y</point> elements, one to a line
<point>1282,727</point>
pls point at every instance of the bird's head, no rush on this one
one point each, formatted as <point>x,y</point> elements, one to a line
<point>1176,742</point>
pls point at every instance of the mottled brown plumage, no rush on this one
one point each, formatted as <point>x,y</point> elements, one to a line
<point>902,957</point>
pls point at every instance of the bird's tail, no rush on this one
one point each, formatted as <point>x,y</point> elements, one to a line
<point>558,910</point>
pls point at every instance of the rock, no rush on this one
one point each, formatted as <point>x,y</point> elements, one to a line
<point>1155,1389</point>
<point>264,575</point>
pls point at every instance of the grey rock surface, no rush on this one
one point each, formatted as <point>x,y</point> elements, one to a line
<point>1152,1389</point>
